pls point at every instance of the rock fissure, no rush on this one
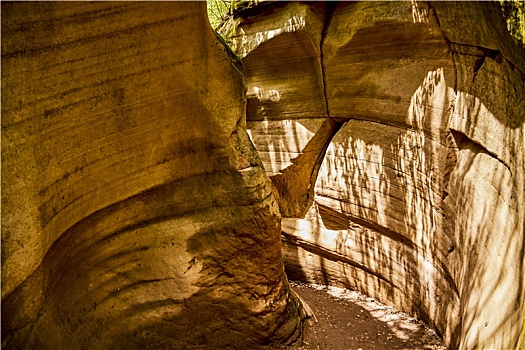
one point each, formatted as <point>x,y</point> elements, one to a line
<point>330,8</point>
<point>482,53</point>
<point>385,231</point>
<point>333,256</point>
<point>463,139</point>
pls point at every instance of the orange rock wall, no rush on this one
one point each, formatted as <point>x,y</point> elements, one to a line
<point>418,197</point>
<point>135,210</point>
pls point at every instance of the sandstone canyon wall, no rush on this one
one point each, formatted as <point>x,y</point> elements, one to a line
<point>394,135</point>
<point>135,211</point>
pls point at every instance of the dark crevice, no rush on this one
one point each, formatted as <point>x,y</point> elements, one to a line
<point>326,212</point>
<point>483,53</point>
<point>462,140</point>
<point>330,8</point>
<point>254,9</point>
<point>330,255</point>
<point>494,54</point>
<point>477,66</point>
<point>486,52</point>
<point>450,161</point>
<point>403,127</point>
<point>453,55</point>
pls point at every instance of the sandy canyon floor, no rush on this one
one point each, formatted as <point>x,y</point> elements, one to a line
<point>347,320</point>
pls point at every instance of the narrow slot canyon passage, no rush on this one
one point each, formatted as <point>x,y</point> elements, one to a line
<point>367,117</point>
<point>263,175</point>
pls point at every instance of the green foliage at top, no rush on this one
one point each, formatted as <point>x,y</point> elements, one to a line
<point>218,11</point>
<point>514,14</point>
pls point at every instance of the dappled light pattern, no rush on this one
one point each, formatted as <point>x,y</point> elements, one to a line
<point>486,192</point>
<point>419,13</point>
<point>487,280</point>
<point>249,42</point>
<point>419,200</point>
<point>382,180</point>
<point>415,159</point>
<point>358,214</point>
<point>280,141</point>
<point>350,162</point>
<point>264,95</point>
<point>418,165</point>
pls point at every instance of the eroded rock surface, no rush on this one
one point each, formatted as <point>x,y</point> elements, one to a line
<point>135,211</point>
<point>281,57</point>
<point>418,198</point>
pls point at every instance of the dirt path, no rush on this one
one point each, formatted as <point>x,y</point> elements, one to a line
<point>347,320</point>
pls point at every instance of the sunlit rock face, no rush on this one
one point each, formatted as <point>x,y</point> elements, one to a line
<point>416,197</point>
<point>135,211</point>
<point>281,57</point>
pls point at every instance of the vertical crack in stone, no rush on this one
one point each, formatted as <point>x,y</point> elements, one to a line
<point>433,13</point>
<point>329,15</point>
<point>451,160</point>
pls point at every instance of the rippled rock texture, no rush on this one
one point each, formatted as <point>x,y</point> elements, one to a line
<point>394,136</point>
<point>135,211</point>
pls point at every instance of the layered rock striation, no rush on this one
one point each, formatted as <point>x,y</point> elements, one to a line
<point>394,135</point>
<point>135,210</point>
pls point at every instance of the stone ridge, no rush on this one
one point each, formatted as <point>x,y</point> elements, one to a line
<point>418,199</point>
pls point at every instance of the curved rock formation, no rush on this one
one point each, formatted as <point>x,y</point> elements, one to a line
<point>135,211</point>
<point>418,199</point>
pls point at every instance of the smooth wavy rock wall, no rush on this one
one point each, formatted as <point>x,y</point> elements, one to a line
<point>415,194</point>
<point>135,210</point>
